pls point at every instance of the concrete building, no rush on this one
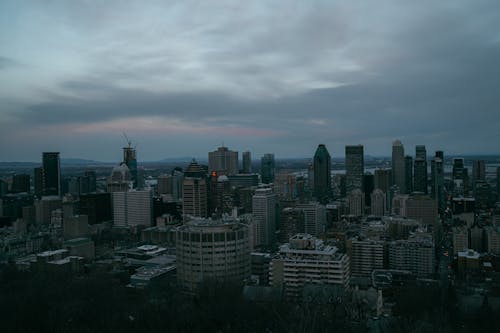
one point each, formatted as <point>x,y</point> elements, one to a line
<point>365,255</point>
<point>81,247</point>
<point>132,208</point>
<point>75,226</point>
<point>356,202</point>
<point>212,251</point>
<point>292,222</point>
<point>306,260</point>
<point>44,208</point>
<point>264,204</point>
<point>422,208</point>
<point>315,218</point>
<point>354,165</point>
<point>378,202</point>
<point>247,162</point>
<point>398,166</point>
<point>415,254</point>
<point>267,168</point>
<point>195,192</point>
<point>223,161</point>
<point>420,170</point>
<point>120,179</point>
<point>493,239</point>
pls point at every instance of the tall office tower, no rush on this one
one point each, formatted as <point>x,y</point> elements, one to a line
<point>378,202</point>
<point>195,191</point>
<point>383,179</point>
<point>310,177</point>
<point>132,208</point>
<point>365,255</point>
<point>398,166</point>
<point>458,177</point>
<point>130,159</point>
<point>478,170</point>
<point>292,222</point>
<point>267,168</point>
<point>408,174</point>
<point>315,218</point>
<point>356,201</point>
<point>420,170</point>
<point>38,181</point>
<point>264,203</point>
<point>322,174</point>
<point>164,185</point>
<point>177,183</point>
<point>51,174</point>
<point>223,161</point>
<point>21,183</point>
<point>437,180</point>
<point>216,251</point>
<point>354,167</point>
<point>97,206</point>
<point>92,180</point>
<point>306,260</point>
<point>368,187</point>
<point>247,162</point>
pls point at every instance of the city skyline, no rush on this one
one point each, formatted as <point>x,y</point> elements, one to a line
<point>280,77</point>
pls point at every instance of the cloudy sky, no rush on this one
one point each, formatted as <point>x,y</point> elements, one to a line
<point>181,77</point>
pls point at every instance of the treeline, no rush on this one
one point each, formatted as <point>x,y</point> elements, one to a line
<point>101,303</point>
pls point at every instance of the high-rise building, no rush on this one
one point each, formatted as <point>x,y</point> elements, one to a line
<point>365,255</point>
<point>195,191</point>
<point>356,201</point>
<point>368,187</point>
<point>264,203</point>
<point>383,179</point>
<point>51,173</point>
<point>415,255</point>
<point>210,250</point>
<point>322,174</point>
<point>354,165</point>
<point>422,208</point>
<point>267,168</point>
<point>97,206</point>
<point>420,170</point>
<point>498,183</point>
<point>164,185</point>
<point>223,161</point>
<point>92,180</point>
<point>21,183</point>
<point>306,260</point>
<point>38,181</point>
<point>130,159</point>
<point>378,202</point>
<point>437,180</point>
<point>398,166</point>
<point>119,180</point>
<point>408,174</point>
<point>314,218</point>
<point>247,162</point>
<point>292,222</point>
<point>132,208</point>
<point>478,170</point>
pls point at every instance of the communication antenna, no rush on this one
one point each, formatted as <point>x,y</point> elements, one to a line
<point>129,142</point>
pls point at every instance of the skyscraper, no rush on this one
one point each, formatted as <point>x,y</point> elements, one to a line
<point>264,213</point>
<point>408,174</point>
<point>223,161</point>
<point>247,162</point>
<point>267,168</point>
<point>38,181</point>
<point>420,170</point>
<point>51,173</point>
<point>437,180</point>
<point>130,159</point>
<point>322,176</point>
<point>21,183</point>
<point>354,165</point>
<point>398,166</point>
<point>195,191</point>
<point>478,170</point>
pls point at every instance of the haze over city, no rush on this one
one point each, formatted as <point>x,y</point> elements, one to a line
<point>182,77</point>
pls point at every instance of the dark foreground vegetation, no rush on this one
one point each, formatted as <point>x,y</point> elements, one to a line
<point>102,303</point>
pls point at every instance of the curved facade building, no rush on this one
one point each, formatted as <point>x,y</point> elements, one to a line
<point>212,251</point>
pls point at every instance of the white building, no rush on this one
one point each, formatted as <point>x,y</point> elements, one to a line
<point>314,218</point>
<point>307,260</point>
<point>132,208</point>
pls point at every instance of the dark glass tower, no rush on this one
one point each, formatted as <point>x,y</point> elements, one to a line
<point>247,162</point>
<point>354,166</point>
<point>420,170</point>
<point>51,173</point>
<point>267,168</point>
<point>322,178</point>
<point>398,166</point>
<point>408,171</point>
<point>437,179</point>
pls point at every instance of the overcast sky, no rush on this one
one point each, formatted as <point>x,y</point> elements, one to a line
<point>181,77</point>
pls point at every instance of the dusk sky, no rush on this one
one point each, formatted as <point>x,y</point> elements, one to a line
<point>181,77</point>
